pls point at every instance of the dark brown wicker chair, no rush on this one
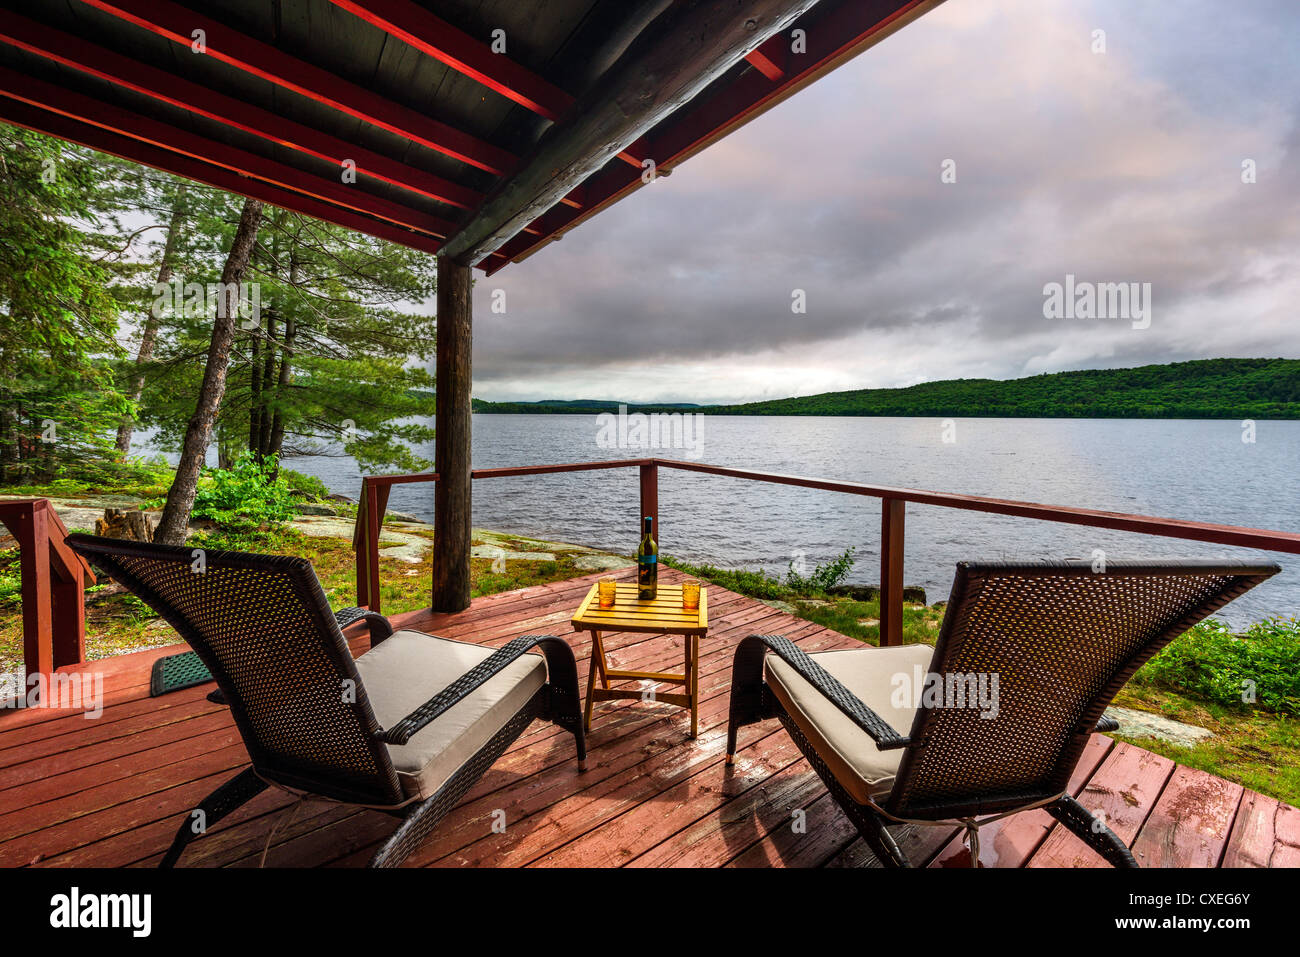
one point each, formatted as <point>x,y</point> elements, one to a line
<point>1061,639</point>
<point>407,728</point>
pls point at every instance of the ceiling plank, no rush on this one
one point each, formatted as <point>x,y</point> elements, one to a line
<point>414,25</point>
<point>178,23</point>
<point>678,55</point>
<point>70,51</point>
<point>219,177</point>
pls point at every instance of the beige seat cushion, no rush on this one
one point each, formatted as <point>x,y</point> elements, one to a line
<point>408,668</point>
<point>851,754</point>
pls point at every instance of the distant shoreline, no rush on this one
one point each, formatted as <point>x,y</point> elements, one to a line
<point>1205,389</point>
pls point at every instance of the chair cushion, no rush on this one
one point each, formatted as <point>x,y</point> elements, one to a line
<point>858,765</point>
<point>408,668</point>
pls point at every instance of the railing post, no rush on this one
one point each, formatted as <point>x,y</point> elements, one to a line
<point>892,513</point>
<point>33,538</point>
<point>650,499</point>
<point>374,515</point>
<point>361,548</point>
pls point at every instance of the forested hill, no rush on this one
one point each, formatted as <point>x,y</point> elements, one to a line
<point>1203,389</point>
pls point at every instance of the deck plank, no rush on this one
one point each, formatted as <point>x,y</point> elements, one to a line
<point>1121,793</point>
<point>1190,824</point>
<point>112,791</point>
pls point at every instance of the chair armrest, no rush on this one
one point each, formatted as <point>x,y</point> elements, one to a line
<point>881,731</point>
<point>445,699</point>
<point>380,626</point>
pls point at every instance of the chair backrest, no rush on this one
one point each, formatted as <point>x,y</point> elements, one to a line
<point>1061,638</point>
<point>263,627</point>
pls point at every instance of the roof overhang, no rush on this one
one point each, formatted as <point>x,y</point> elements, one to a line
<point>481,132</point>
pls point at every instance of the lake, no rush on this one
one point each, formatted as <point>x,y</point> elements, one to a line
<point>1190,469</point>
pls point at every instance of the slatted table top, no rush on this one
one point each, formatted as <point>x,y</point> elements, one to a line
<point>662,615</point>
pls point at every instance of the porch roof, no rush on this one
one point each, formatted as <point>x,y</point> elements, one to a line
<point>479,129</point>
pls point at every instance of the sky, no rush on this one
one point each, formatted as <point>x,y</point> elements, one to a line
<point>1122,166</point>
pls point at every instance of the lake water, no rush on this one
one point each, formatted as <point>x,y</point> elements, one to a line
<point>1198,469</point>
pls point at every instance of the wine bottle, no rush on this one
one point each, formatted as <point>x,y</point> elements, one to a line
<point>647,565</point>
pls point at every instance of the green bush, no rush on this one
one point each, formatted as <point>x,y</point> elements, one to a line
<point>823,577</point>
<point>247,495</point>
<point>1211,663</point>
<point>308,487</point>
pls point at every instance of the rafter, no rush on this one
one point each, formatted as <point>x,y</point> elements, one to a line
<point>177,23</point>
<point>126,123</point>
<point>96,61</point>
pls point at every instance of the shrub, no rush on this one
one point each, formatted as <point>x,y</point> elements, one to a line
<point>823,577</point>
<point>306,486</point>
<point>1211,663</point>
<point>247,495</point>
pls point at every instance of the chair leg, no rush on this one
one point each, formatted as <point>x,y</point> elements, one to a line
<point>746,706</point>
<point>873,830</point>
<point>565,704</point>
<point>236,792</point>
<point>1081,822</point>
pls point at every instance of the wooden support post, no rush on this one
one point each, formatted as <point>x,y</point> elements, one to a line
<point>361,548</point>
<point>33,537</point>
<point>451,499</point>
<point>892,513</point>
<point>650,500</point>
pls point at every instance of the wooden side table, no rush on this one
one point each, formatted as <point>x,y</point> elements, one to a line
<point>662,616</point>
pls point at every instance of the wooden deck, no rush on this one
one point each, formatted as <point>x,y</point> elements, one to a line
<point>112,791</point>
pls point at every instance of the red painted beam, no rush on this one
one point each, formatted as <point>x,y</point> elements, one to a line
<point>218,177</point>
<point>831,38</point>
<point>104,64</point>
<point>75,106</point>
<point>178,23</point>
<point>473,57</point>
<point>419,28</point>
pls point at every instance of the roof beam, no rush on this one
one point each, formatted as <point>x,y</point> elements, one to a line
<point>178,23</point>
<point>841,31</point>
<point>93,112</point>
<point>96,61</point>
<point>678,55</point>
<point>414,25</point>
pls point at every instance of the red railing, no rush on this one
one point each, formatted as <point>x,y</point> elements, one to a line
<point>893,500</point>
<point>54,580</point>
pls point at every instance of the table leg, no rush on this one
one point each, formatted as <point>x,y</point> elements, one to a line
<point>598,645</point>
<point>693,676</point>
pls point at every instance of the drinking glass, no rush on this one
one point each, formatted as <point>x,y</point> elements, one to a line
<point>690,594</point>
<point>606,588</point>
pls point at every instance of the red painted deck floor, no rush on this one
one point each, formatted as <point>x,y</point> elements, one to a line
<point>111,792</point>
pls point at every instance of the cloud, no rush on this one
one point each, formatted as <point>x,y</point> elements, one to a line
<point>1116,167</point>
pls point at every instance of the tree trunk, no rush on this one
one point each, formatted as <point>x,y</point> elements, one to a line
<point>268,379</point>
<point>286,373</point>
<point>255,395</point>
<point>149,335</point>
<point>180,497</point>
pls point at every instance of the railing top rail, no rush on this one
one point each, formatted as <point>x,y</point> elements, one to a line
<point>1232,535</point>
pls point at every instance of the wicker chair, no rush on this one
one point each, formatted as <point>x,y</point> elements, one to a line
<point>1061,640</point>
<point>407,728</point>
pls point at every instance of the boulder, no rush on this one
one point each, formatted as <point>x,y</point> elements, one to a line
<point>312,508</point>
